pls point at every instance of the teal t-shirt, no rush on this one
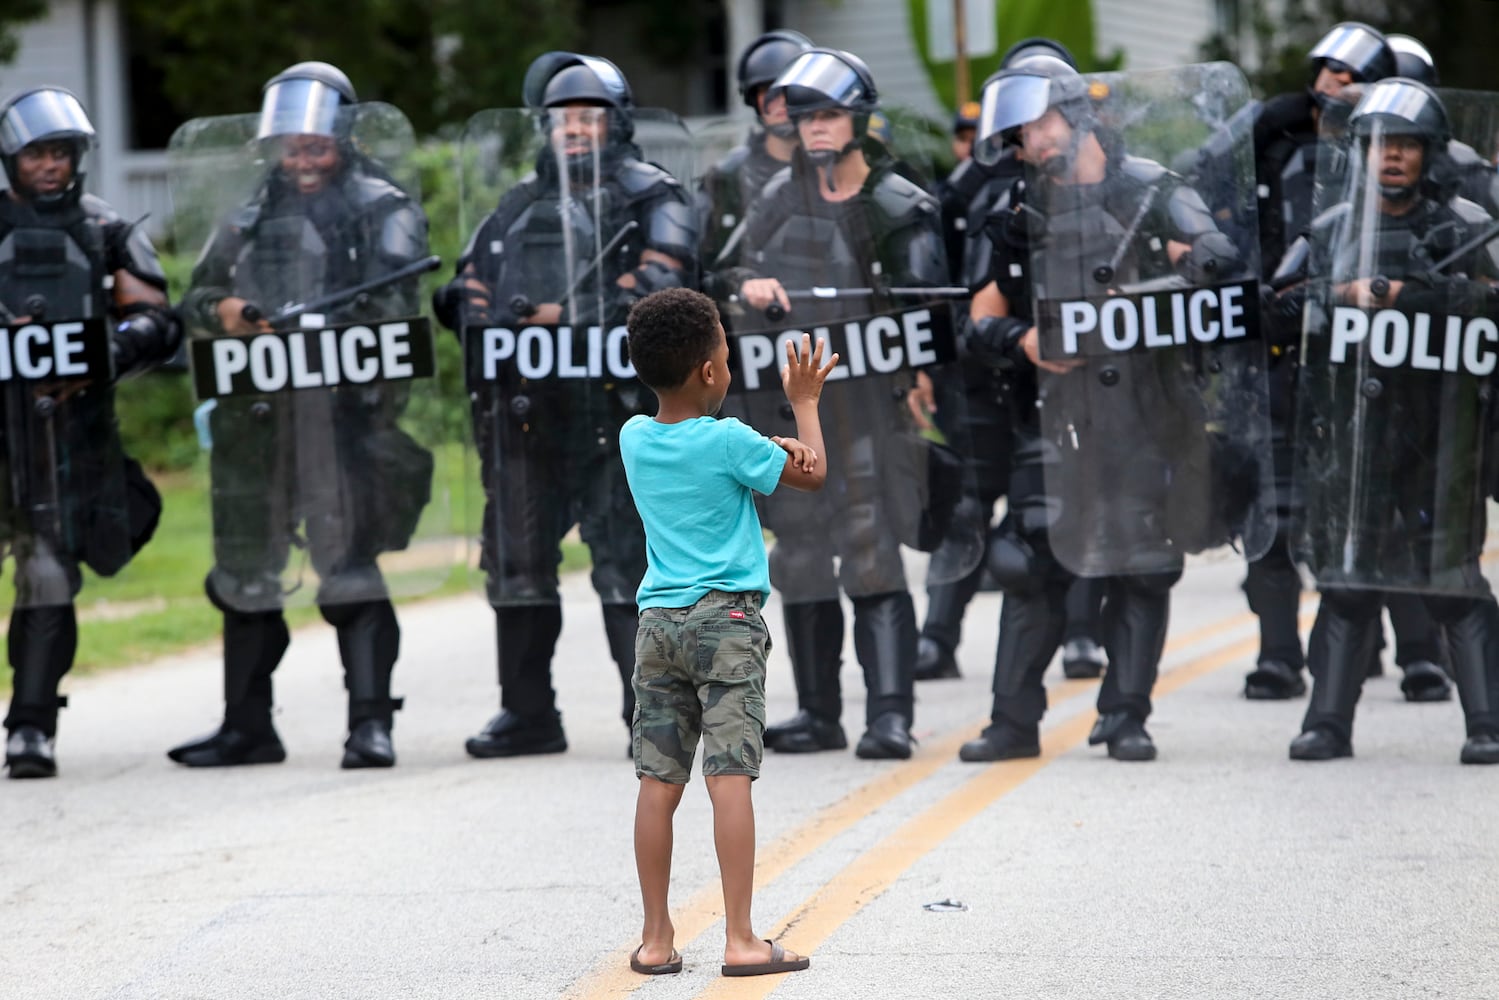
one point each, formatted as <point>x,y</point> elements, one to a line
<point>692,484</point>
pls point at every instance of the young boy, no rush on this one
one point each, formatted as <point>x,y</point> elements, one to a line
<point>700,652</point>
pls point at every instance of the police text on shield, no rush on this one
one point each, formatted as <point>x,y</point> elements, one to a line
<point>1435,343</point>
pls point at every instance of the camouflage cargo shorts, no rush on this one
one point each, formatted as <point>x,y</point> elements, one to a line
<point>700,674</point>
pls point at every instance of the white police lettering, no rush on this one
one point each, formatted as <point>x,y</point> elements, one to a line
<point>1162,319</point>
<point>309,359</point>
<point>38,351</point>
<point>1422,341</point>
<point>538,352</point>
<point>878,345</point>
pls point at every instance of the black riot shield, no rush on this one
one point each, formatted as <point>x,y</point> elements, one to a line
<point>1154,401</point>
<point>868,275</point>
<point>1395,450</point>
<point>327,443</point>
<point>572,217</point>
<point>63,488</point>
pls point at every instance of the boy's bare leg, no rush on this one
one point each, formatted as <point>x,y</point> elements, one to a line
<point>654,808</point>
<point>734,836</point>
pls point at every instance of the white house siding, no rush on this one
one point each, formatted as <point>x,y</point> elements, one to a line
<point>1152,33</point>
<point>53,52</point>
<point>878,32</point>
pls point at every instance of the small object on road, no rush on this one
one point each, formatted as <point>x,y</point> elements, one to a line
<point>946,906</point>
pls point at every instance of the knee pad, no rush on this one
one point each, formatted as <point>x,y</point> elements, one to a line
<point>1013,563</point>
<point>232,594</point>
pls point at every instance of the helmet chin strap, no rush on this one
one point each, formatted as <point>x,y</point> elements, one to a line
<point>782,130</point>
<point>827,160</point>
<point>1398,192</point>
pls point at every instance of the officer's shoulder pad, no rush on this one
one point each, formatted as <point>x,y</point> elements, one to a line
<point>1145,171</point>
<point>1469,211</point>
<point>1465,157</point>
<point>734,161</point>
<point>637,177</point>
<point>777,183</point>
<point>1290,112</point>
<point>373,189</point>
<point>900,198</point>
<point>97,208</point>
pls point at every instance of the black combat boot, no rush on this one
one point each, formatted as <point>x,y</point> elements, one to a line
<point>814,634</point>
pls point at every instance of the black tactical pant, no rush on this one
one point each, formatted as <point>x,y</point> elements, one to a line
<point>851,519</point>
<point>1033,617</point>
<point>1345,636</point>
<point>539,482</point>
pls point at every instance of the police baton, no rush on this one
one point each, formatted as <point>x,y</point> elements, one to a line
<point>253,314</point>
<point>523,307</point>
<point>775,311</point>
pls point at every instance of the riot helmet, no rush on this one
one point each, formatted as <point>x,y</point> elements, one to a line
<point>558,78</point>
<point>1028,47</point>
<point>1355,48</point>
<point>1413,60</point>
<point>829,80</point>
<point>46,114</point>
<point>306,99</point>
<point>765,59</point>
<point>1402,107</point>
<point>1025,92</point>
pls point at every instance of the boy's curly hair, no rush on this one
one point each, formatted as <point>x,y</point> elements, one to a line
<point>672,333</point>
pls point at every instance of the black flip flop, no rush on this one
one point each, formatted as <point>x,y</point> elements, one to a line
<point>666,969</point>
<point>778,963</point>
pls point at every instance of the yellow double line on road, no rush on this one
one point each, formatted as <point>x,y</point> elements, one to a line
<point>875,870</point>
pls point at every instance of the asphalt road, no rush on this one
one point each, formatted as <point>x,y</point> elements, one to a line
<point>1220,870</point>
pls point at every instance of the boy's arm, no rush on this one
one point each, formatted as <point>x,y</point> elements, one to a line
<point>802,378</point>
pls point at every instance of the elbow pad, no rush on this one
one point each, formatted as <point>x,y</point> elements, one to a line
<point>1213,257</point>
<point>993,340</point>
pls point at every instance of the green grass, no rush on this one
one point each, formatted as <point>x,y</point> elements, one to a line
<point>156,607</point>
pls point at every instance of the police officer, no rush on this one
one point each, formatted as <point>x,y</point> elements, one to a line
<point>1286,142</point>
<point>1479,182</point>
<point>842,216</point>
<point>558,442</point>
<point>334,462</point>
<point>75,496</point>
<point>967,194</point>
<point>1082,191</point>
<point>1394,472</point>
<point>731,185</point>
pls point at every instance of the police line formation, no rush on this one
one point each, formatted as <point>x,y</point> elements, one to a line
<point>1155,315</point>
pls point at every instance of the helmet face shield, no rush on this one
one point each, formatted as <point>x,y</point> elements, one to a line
<point>1360,51</point>
<point>43,114</point>
<point>1008,103</point>
<point>820,80</point>
<point>1399,107</point>
<point>299,107</point>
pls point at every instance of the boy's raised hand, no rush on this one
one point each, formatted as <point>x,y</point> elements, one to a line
<point>804,373</point>
<point>800,455</point>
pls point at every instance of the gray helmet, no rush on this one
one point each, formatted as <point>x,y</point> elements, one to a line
<point>767,58</point>
<point>41,115</point>
<point>1398,106</point>
<point>822,79</point>
<point>1027,47</point>
<point>1357,48</point>
<point>558,78</point>
<point>306,99</point>
<point>1413,60</point>
<point>1023,93</point>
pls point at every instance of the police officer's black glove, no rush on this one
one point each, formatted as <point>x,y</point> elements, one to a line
<point>447,304</point>
<point>147,336</point>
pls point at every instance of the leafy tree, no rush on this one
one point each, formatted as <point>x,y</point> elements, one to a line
<point>1461,34</point>
<point>13,14</point>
